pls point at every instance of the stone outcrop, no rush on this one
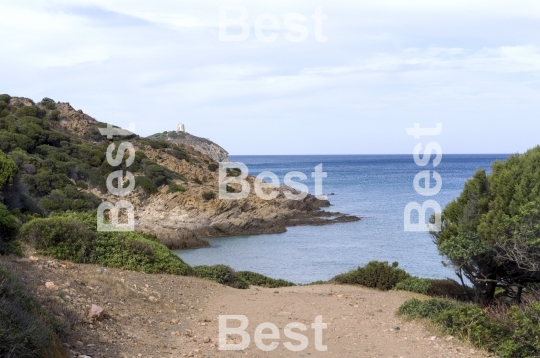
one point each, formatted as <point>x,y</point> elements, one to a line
<point>202,145</point>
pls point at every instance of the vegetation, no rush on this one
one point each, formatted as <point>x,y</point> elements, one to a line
<point>490,233</point>
<point>8,169</point>
<point>221,274</point>
<point>174,188</point>
<point>52,171</point>
<point>506,331</point>
<point>208,195</point>
<point>375,274</point>
<point>233,172</point>
<point>242,279</point>
<point>26,329</point>
<point>72,236</point>
<point>434,287</point>
<point>256,279</point>
<point>414,284</point>
<point>9,228</point>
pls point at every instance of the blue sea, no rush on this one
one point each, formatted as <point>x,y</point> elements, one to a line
<point>375,187</point>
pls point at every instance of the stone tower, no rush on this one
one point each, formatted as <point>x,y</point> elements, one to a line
<point>181,128</point>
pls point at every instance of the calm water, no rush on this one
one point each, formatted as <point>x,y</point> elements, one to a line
<point>374,187</point>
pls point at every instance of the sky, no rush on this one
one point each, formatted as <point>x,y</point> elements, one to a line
<point>352,82</point>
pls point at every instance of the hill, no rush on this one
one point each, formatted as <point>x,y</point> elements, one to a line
<point>60,156</point>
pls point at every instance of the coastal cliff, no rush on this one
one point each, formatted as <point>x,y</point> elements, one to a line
<point>63,167</point>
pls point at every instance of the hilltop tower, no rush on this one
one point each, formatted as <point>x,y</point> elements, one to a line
<point>181,128</point>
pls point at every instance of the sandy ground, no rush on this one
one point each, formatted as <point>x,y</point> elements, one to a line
<point>173,316</point>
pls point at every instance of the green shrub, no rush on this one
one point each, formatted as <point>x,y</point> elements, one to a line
<point>30,111</point>
<point>26,329</point>
<point>414,284</point>
<point>82,184</point>
<point>5,97</point>
<point>213,167</point>
<point>509,334</point>
<point>54,115</point>
<point>375,274</point>
<point>8,169</point>
<point>72,236</point>
<point>48,103</point>
<point>174,188</point>
<point>148,187</point>
<point>197,180</point>
<point>256,279</point>
<point>414,308</point>
<point>4,113</point>
<point>9,228</point>
<point>208,195</point>
<point>448,288</point>
<point>60,237</point>
<point>221,274</point>
<point>233,172</point>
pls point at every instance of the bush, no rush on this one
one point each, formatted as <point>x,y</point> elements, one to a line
<point>414,284</point>
<point>256,279</point>
<point>174,188</point>
<point>208,195</point>
<point>148,187</point>
<point>8,168</point>
<point>414,308</point>
<point>54,115</point>
<point>48,103</point>
<point>60,237</point>
<point>73,237</point>
<point>9,228</point>
<point>221,274</point>
<point>26,329</point>
<point>82,184</point>
<point>30,111</point>
<point>448,288</point>
<point>233,172</point>
<point>375,274</point>
<point>213,167</point>
<point>197,180</point>
<point>513,333</point>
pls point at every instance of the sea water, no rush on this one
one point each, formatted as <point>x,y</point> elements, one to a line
<point>374,187</point>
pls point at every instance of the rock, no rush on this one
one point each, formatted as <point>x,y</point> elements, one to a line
<point>395,328</point>
<point>51,286</point>
<point>33,258</point>
<point>207,340</point>
<point>96,312</point>
<point>152,299</point>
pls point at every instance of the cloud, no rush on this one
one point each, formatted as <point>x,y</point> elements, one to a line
<point>387,64</point>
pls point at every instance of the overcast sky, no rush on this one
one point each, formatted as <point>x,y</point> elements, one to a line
<point>473,66</point>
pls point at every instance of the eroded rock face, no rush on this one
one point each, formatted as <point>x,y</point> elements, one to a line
<point>202,145</point>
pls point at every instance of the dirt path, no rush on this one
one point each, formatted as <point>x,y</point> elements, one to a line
<point>171,316</point>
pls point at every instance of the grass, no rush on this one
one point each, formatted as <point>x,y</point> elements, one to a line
<point>26,329</point>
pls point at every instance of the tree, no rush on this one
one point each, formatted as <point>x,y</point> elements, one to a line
<point>9,228</point>
<point>8,168</point>
<point>491,232</point>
